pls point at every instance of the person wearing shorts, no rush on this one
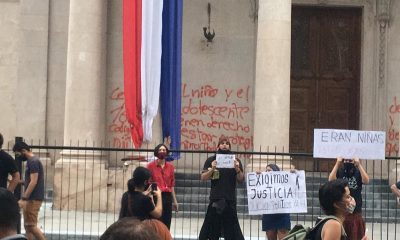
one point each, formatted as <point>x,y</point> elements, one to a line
<point>33,195</point>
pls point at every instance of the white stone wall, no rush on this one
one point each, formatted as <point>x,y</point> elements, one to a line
<point>9,44</point>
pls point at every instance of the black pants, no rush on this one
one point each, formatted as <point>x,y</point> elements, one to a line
<point>166,208</point>
<point>225,224</point>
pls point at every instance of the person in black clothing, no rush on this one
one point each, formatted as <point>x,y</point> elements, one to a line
<point>9,216</point>
<point>7,167</point>
<point>352,171</point>
<point>221,217</point>
<point>138,200</point>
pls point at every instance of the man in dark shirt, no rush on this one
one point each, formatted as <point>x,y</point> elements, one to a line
<point>354,173</point>
<point>33,195</point>
<point>221,217</point>
<point>9,216</point>
<point>7,167</point>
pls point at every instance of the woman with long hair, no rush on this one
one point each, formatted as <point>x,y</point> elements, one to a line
<point>138,200</point>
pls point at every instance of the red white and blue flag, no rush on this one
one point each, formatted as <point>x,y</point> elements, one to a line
<point>152,56</point>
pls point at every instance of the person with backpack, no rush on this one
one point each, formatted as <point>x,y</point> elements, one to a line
<point>336,202</point>
<point>352,171</point>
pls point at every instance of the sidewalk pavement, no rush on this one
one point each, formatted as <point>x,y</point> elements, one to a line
<point>90,225</point>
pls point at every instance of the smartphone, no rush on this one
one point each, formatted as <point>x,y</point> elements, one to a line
<point>154,187</point>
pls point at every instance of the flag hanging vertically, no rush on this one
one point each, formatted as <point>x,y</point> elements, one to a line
<point>171,68</point>
<point>132,36</point>
<point>152,43</point>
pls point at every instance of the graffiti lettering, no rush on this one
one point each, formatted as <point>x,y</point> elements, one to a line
<point>209,112</point>
<point>392,136</point>
<point>118,128</point>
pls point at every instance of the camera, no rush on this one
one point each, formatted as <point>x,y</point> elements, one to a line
<point>154,187</point>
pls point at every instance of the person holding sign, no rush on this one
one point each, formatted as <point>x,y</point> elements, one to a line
<point>354,173</point>
<point>221,217</point>
<point>276,226</point>
<point>396,190</point>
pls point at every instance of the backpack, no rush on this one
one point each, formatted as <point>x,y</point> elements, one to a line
<point>300,232</point>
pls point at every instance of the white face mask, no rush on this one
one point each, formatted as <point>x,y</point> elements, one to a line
<point>351,206</point>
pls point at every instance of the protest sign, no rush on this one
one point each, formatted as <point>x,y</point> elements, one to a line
<point>225,160</point>
<point>332,143</point>
<point>276,192</point>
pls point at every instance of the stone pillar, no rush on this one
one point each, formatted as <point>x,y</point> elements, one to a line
<point>30,94</point>
<point>85,87</point>
<point>272,82</point>
<point>81,177</point>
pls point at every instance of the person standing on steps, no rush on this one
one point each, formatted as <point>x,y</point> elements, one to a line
<point>221,216</point>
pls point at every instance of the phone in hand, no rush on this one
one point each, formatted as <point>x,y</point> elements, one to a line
<point>154,187</point>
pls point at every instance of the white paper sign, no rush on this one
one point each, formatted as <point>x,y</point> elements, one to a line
<point>332,143</point>
<point>276,192</point>
<point>225,160</point>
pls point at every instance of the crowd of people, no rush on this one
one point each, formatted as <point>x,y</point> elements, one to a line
<point>147,205</point>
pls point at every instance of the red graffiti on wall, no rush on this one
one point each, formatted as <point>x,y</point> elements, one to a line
<point>392,143</point>
<point>208,112</point>
<point>119,126</point>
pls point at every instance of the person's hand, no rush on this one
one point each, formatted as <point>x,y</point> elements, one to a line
<point>356,162</point>
<point>258,172</point>
<point>22,204</point>
<point>339,160</point>
<point>237,166</point>
<point>175,206</point>
<point>214,164</point>
<point>365,237</point>
<point>293,170</point>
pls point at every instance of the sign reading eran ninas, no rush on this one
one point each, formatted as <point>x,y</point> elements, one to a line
<point>276,192</point>
<point>332,143</point>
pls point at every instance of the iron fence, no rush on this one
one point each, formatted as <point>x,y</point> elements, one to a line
<point>84,185</point>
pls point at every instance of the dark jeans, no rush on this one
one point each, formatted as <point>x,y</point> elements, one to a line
<point>166,208</point>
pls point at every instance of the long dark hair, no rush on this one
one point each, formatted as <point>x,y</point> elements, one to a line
<point>139,176</point>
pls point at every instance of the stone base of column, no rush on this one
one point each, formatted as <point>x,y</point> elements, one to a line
<point>83,182</point>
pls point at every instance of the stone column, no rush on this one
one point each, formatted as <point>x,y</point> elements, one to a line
<point>272,82</point>
<point>80,178</point>
<point>85,84</point>
<point>30,94</point>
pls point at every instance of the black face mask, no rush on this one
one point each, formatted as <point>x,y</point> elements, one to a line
<point>349,169</point>
<point>21,157</point>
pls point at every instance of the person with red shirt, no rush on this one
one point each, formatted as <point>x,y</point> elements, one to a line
<point>162,173</point>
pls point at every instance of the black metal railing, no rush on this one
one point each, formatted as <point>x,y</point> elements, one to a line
<point>84,185</point>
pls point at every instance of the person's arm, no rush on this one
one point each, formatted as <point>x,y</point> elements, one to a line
<point>364,174</point>
<point>239,171</point>
<point>332,230</point>
<point>207,174</point>
<point>31,186</point>
<point>157,211</point>
<point>14,181</point>
<point>332,175</point>
<point>175,205</point>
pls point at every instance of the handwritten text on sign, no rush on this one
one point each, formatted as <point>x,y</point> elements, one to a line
<point>332,143</point>
<point>225,160</point>
<point>276,192</point>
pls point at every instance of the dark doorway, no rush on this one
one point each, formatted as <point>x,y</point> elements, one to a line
<point>325,76</point>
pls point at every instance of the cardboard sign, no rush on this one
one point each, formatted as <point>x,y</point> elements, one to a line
<point>225,160</point>
<point>332,143</point>
<point>276,192</point>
